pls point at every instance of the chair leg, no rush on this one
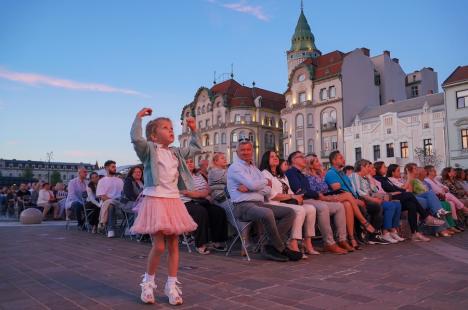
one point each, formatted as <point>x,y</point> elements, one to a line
<point>187,243</point>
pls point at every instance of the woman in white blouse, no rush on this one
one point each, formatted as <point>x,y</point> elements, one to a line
<point>282,195</point>
<point>47,201</point>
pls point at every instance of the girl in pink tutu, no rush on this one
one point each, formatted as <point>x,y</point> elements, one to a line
<point>161,212</point>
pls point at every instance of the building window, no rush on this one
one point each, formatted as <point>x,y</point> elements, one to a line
<point>299,121</point>
<point>334,143</point>
<point>235,137</point>
<point>329,119</point>
<point>251,137</point>
<point>426,125</point>
<point>200,124</point>
<point>310,120</point>
<point>323,94</point>
<point>332,92</point>
<point>216,138</point>
<point>286,150</point>
<point>218,119</point>
<point>358,153</point>
<point>206,140</point>
<point>390,150</point>
<point>269,141</point>
<point>302,97</point>
<point>198,111</point>
<point>272,121</point>
<point>285,127</point>
<point>356,136</point>
<point>414,91</point>
<point>404,150</point>
<point>300,145</point>
<point>237,118</point>
<point>377,79</point>
<point>248,118</point>
<point>223,138</point>
<point>464,136</point>
<point>207,123</point>
<point>389,131</point>
<point>310,146</point>
<point>376,152</point>
<point>427,147</point>
<point>462,99</point>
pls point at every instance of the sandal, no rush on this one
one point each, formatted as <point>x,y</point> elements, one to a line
<point>354,244</point>
<point>202,250</point>
<point>368,227</point>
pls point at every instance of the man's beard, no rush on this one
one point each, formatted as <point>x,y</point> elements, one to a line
<point>112,173</point>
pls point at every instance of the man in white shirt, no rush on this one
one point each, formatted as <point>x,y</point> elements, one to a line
<point>109,190</point>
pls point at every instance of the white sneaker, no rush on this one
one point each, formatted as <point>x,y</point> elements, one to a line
<point>147,292</point>
<point>388,238</point>
<point>173,292</point>
<point>396,237</point>
<point>419,237</point>
<point>110,234</point>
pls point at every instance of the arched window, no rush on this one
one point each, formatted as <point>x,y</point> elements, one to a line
<point>310,146</point>
<point>235,137</point>
<point>272,121</point>
<point>206,140</point>
<point>251,137</point>
<point>223,138</point>
<point>269,141</point>
<point>329,118</point>
<point>216,138</point>
<point>310,120</point>
<point>299,121</point>
<point>332,92</point>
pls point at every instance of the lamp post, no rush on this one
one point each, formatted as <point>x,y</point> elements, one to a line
<point>49,156</point>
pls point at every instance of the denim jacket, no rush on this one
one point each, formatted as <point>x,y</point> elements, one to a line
<point>146,152</point>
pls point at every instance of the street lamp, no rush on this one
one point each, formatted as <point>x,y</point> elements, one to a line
<point>49,156</point>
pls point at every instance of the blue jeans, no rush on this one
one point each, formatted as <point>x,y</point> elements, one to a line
<point>429,201</point>
<point>391,214</point>
<point>78,209</point>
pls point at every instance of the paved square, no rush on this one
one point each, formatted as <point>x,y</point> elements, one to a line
<point>47,267</point>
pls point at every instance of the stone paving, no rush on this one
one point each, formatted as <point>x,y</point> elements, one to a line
<point>47,267</point>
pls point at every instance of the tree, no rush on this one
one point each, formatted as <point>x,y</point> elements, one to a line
<point>55,177</point>
<point>28,173</point>
<point>425,159</point>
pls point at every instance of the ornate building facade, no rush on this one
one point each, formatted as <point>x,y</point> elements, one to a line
<point>326,91</point>
<point>229,110</point>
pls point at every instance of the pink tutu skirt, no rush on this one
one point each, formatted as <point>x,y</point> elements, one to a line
<point>166,215</point>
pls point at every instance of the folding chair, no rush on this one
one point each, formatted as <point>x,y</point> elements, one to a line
<point>187,243</point>
<point>127,216</point>
<point>240,228</point>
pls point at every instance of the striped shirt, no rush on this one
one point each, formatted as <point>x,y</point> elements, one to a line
<point>199,184</point>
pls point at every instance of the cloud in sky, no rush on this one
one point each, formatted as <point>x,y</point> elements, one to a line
<point>245,8</point>
<point>39,79</point>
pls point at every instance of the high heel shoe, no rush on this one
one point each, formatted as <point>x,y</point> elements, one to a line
<point>443,234</point>
<point>368,227</point>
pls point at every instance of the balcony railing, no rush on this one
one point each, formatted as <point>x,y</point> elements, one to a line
<point>329,126</point>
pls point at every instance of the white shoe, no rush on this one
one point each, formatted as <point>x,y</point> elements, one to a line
<point>173,292</point>
<point>419,237</point>
<point>389,238</point>
<point>110,234</point>
<point>147,292</point>
<point>396,237</point>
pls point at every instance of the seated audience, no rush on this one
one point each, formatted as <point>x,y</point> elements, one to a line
<point>247,188</point>
<point>326,206</point>
<point>211,220</point>
<point>47,201</point>
<point>76,197</point>
<point>448,179</point>
<point>92,202</point>
<point>407,200</point>
<point>316,176</point>
<point>282,195</point>
<point>109,191</point>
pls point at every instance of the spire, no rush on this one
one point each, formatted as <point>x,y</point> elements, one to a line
<point>303,39</point>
